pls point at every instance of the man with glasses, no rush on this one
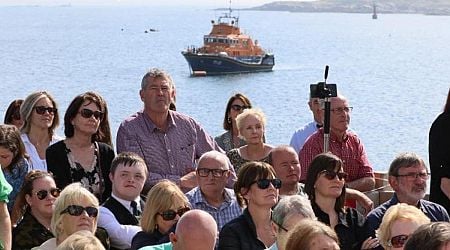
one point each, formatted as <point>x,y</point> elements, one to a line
<point>211,195</point>
<point>343,143</point>
<point>168,141</point>
<point>408,177</point>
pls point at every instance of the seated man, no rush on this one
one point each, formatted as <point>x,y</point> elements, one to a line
<point>211,195</point>
<point>344,144</point>
<point>119,215</point>
<point>408,178</point>
<point>196,230</point>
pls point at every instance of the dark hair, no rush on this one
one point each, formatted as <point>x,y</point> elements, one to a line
<point>103,133</point>
<point>10,139</point>
<point>226,122</point>
<point>20,205</point>
<point>324,161</point>
<point>13,111</point>
<point>429,236</point>
<point>404,160</point>
<point>248,173</point>
<point>447,103</point>
<point>127,159</point>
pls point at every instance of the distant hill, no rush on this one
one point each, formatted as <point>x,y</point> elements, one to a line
<point>427,7</point>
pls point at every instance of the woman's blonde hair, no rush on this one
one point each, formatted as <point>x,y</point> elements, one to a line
<point>401,211</point>
<point>302,234</point>
<point>27,107</point>
<point>81,240</point>
<point>72,194</point>
<point>250,112</point>
<point>163,196</point>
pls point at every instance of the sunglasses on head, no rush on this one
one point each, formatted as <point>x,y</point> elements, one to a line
<point>42,194</point>
<point>237,107</point>
<point>41,110</point>
<point>265,183</point>
<point>171,214</point>
<point>330,175</point>
<point>76,210</point>
<point>397,241</point>
<point>87,113</point>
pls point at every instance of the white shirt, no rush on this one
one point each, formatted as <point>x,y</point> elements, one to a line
<point>35,161</point>
<point>120,235</point>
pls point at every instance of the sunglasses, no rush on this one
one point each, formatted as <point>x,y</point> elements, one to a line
<point>42,194</point>
<point>171,214</point>
<point>397,241</point>
<point>76,210</point>
<point>237,107</point>
<point>87,113</point>
<point>331,175</point>
<point>265,183</point>
<point>41,110</point>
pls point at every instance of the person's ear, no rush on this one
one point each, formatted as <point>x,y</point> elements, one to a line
<point>111,177</point>
<point>173,238</point>
<point>245,193</point>
<point>28,199</point>
<point>393,182</point>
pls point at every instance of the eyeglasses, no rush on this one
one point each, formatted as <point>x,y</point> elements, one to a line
<point>331,175</point>
<point>397,241</point>
<point>265,183</point>
<point>341,110</point>
<point>76,210</point>
<point>87,113</point>
<point>238,108</point>
<point>414,176</point>
<point>42,194</point>
<point>41,110</point>
<point>204,172</point>
<point>171,214</point>
<point>280,226</point>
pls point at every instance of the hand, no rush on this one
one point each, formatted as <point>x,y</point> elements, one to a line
<point>189,181</point>
<point>365,202</point>
<point>370,243</point>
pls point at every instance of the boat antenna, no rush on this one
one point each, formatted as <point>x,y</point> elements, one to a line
<point>229,8</point>
<point>325,91</point>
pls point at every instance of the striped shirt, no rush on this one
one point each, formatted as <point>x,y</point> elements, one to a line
<point>227,211</point>
<point>350,150</point>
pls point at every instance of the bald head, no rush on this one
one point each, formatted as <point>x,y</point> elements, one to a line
<point>196,230</point>
<point>215,156</point>
<point>285,161</point>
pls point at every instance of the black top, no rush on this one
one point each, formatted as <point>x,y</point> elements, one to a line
<point>58,164</point>
<point>122,214</point>
<point>240,233</point>
<point>350,229</point>
<point>29,233</point>
<point>439,156</point>
<point>143,239</point>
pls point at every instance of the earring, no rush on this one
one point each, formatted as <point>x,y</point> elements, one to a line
<point>229,120</point>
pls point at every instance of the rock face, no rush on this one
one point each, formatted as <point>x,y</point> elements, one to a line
<point>428,7</point>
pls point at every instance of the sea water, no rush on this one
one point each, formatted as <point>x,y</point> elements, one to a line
<point>394,70</point>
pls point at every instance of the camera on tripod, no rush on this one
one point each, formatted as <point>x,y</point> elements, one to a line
<point>323,90</point>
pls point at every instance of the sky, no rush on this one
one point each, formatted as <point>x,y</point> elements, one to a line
<point>205,3</point>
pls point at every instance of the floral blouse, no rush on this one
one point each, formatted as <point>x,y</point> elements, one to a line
<point>15,177</point>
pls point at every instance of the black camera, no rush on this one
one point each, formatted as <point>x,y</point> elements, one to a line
<point>323,90</point>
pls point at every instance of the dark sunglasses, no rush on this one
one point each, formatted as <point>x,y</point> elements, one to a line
<point>237,107</point>
<point>171,214</point>
<point>87,113</point>
<point>42,194</point>
<point>265,183</point>
<point>397,241</point>
<point>76,210</point>
<point>41,110</point>
<point>330,175</point>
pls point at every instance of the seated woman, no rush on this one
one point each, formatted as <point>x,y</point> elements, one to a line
<point>33,210</point>
<point>257,189</point>
<point>251,124</point>
<point>398,223</point>
<point>75,209</point>
<point>164,206</point>
<point>287,213</point>
<point>81,240</point>
<point>325,187</point>
<point>13,160</point>
<point>312,235</point>
<point>435,235</point>
<point>230,138</point>
<point>40,119</point>
<point>12,114</point>
<point>80,157</point>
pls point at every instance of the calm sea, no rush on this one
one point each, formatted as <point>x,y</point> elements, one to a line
<point>394,70</point>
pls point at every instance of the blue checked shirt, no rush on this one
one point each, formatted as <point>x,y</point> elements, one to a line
<point>227,211</point>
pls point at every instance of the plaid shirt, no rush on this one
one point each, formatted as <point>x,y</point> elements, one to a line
<point>227,211</point>
<point>350,150</point>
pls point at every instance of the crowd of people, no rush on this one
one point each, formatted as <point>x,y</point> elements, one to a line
<point>170,185</point>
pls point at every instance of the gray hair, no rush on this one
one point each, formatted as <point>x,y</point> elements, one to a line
<point>290,205</point>
<point>156,73</point>
<point>405,160</point>
<point>214,155</point>
<point>248,112</point>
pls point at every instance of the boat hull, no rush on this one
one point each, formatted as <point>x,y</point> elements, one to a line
<point>202,64</point>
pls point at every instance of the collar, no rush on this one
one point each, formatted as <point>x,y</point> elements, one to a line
<point>333,136</point>
<point>198,197</point>
<point>152,127</point>
<point>325,218</point>
<point>394,200</point>
<point>127,204</point>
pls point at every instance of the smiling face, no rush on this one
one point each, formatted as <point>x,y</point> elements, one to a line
<point>128,181</point>
<point>252,129</point>
<point>86,125</point>
<point>42,121</point>
<point>42,208</point>
<point>157,95</point>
